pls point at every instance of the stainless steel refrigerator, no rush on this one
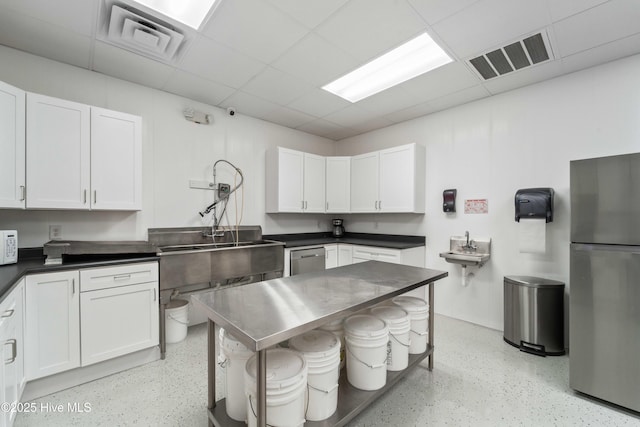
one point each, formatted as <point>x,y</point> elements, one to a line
<point>604,324</point>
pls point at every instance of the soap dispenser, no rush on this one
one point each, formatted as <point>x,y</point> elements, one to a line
<point>449,200</point>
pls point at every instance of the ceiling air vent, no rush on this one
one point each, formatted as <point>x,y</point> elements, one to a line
<point>521,54</point>
<point>155,39</point>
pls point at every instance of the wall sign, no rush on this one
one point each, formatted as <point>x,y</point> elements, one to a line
<point>476,206</point>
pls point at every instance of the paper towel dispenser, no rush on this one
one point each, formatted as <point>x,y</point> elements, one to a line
<point>534,203</point>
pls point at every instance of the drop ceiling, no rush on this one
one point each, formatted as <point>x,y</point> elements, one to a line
<point>269,58</point>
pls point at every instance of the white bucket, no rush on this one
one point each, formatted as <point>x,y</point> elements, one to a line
<point>418,310</point>
<point>366,337</point>
<point>336,327</point>
<point>176,319</point>
<point>233,359</point>
<point>321,350</point>
<point>399,326</point>
<point>286,388</point>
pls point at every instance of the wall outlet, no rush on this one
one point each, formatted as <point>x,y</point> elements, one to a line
<point>55,232</point>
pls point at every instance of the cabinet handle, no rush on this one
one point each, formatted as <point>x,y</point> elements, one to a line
<point>122,277</point>
<point>73,286</point>
<point>327,206</point>
<point>95,196</point>
<point>22,193</point>
<point>375,205</point>
<point>8,313</point>
<point>302,205</point>
<point>14,350</point>
<point>379,204</point>
<point>85,197</point>
<point>154,294</point>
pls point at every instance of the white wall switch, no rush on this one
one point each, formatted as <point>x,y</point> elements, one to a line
<point>55,232</point>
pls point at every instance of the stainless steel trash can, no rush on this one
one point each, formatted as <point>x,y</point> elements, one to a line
<point>534,314</point>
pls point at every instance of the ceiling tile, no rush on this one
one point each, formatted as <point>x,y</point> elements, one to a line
<point>490,23</point>
<point>287,117</point>
<point>248,105</point>
<point>213,61</point>
<point>601,54</point>
<point>597,26</point>
<point>394,98</point>
<point>41,38</point>
<point>372,124</point>
<point>458,98</point>
<point>319,103</point>
<point>75,15</point>
<point>319,127</point>
<point>342,134</point>
<point>563,9</point>
<point>255,28</point>
<point>433,11</point>
<point>197,88</point>
<point>367,32</point>
<point>441,81</point>
<point>412,112</point>
<point>350,116</point>
<point>309,13</point>
<point>276,86</point>
<point>139,69</point>
<point>316,60</point>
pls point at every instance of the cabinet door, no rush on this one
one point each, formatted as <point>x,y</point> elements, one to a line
<point>12,146</point>
<point>118,321</point>
<point>364,183</point>
<point>331,256</point>
<point>116,160</point>
<point>284,180</point>
<point>314,183</point>
<point>53,323</point>
<point>11,366</point>
<point>402,179</point>
<point>57,153</point>
<point>345,254</point>
<point>338,187</point>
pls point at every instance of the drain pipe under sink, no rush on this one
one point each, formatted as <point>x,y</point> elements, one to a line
<point>466,277</point>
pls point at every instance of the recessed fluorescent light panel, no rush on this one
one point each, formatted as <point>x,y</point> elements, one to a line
<point>189,12</point>
<point>405,62</point>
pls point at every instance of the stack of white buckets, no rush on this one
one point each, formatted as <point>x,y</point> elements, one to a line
<point>302,381</point>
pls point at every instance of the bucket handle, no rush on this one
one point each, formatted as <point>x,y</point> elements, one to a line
<point>420,333</point>
<point>365,363</point>
<point>177,320</point>
<point>269,425</point>
<point>321,390</point>
<point>400,342</point>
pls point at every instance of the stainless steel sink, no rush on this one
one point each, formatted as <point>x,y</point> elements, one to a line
<point>475,254</point>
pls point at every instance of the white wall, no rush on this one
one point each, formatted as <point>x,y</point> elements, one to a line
<point>174,152</point>
<point>493,147</point>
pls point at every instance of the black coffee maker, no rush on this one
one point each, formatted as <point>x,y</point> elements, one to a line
<point>338,229</point>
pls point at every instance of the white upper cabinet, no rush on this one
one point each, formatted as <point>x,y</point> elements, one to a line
<point>12,147</point>
<point>390,180</point>
<point>338,179</point>
<point>58,152</point>
<point>82,157</point>
<point>364,182</point>
<point>295,181</point>
<point>116,159</point>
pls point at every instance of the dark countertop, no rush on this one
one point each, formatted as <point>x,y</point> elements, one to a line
<point>391,241</point>
<point>31,261</point>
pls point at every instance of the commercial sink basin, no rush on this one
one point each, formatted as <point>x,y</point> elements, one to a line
<point>468,252</point>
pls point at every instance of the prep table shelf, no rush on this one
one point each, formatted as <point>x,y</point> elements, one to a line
<point>266,313</point>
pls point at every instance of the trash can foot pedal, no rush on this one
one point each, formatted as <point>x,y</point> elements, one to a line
<point>536,349</point>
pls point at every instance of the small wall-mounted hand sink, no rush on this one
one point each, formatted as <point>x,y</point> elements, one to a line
<point>475,254</point>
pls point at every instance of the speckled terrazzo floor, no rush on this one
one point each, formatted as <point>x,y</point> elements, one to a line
<point>478,380</point>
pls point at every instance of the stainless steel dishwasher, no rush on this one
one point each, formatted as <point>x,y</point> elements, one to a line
<point>307,260</point>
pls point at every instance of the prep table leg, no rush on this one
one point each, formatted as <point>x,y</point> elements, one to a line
<point>261,376</point>
<point>211,361</point>
<point>430,367</point>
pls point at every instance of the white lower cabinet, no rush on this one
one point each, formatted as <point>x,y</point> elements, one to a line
<point>345,254</point>
<point>331,256</point>
<point>78,318</point>
<point>12,378</point>
<point>121,315</point>
<point>52,323</point>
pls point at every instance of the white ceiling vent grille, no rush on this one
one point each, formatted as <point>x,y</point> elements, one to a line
<point>148,37</point>
<point>515,56</point>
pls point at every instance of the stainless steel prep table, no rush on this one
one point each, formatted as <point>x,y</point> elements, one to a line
<point>266,313</point>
